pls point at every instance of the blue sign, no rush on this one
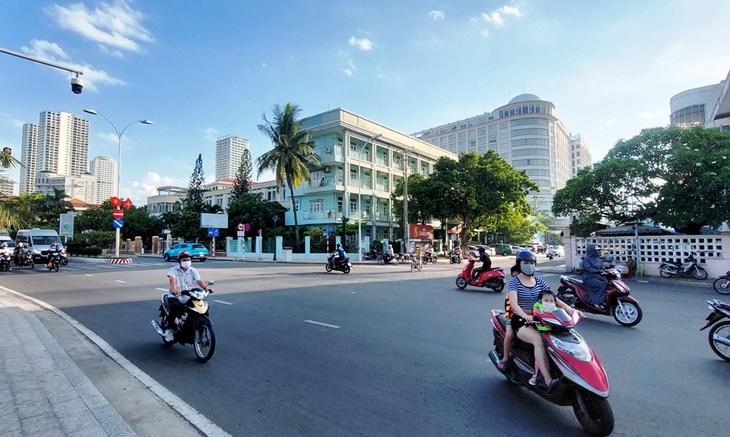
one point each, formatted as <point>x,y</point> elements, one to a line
<point>213,232</point>
<point>118,223</point>
<point>330,228</point>
<point>324,233</point>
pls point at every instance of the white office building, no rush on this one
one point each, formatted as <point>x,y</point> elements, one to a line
<point>580,154</point>
<point>527,133</point>
<point>105,169</point>
<point>29,158</point>
<point>81,187</point>
<point>707,106</point>
<point>228,153</point>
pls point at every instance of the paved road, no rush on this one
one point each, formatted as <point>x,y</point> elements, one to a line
<point>386,351</point>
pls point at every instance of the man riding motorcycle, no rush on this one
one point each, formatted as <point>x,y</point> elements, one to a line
<point>181,277</point>
<point>55,248</point>
<point>486,263</point>
<point>339,256</point>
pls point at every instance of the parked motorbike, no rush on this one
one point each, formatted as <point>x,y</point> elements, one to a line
<point>5,262</point>
<point>429,257</point>
<point>582,380</point>
<point>492,278</point>
<point>192,324</point>
<point>719,336</point>
<point>24,258</point>
<point>54,262</point>
<point>667,269</point>
<point>343,265</point>
<point>372,255</point>
<point>722,284</point>
<point>624,308</point>
<point>383,258</point>
<point>455,256</point>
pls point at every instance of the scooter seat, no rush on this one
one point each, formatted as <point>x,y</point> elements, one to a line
<point>572,279</point>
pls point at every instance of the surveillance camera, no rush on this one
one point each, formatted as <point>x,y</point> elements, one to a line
<point>77,85</point>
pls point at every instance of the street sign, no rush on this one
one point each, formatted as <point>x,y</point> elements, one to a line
<point>241,227</point>
<point>247,227</point>
<point>118,223</point>
<point>213,232</point>
<point>324,233</point>
<point>330,228</point>
<point>66,225</point>
<point>118,214</point>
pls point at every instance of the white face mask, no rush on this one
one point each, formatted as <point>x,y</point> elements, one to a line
<point>528,269</point>
<point>549,305</point>
<point>186,264</point>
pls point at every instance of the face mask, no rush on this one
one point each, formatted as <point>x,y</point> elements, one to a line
<point>549,305</point>
<point>186,264</point>
<point>528,269</point>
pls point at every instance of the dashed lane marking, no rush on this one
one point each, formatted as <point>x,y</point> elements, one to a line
<point>121,282</point>
<point>223,302</point>
<point>89,276</point>
<point>327,325</point>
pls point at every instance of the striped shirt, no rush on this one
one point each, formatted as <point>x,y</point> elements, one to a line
<point>527,296</point>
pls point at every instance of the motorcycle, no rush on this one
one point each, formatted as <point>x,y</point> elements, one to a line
<point>54,262</point>
<point>192,324</point>
<point>342,265</point>
<point>722,284</point>
<point>24,258</point>
<point>719,336</point>
<point>429,257</point>
<point>492,278</point>
<point>624,308</point>
<point>582,380</point>
<point>384,258</point>
<point>5,262</point>
<point>667,269</point>
<point>455,256</point>
<point>64,259</point>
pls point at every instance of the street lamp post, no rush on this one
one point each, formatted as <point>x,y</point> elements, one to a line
<point>359,195</point>
<point>119,160</point>
<point>275,219</point>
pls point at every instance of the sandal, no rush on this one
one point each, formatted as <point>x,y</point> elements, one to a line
<point>533,380</point>
<point>502,364</point>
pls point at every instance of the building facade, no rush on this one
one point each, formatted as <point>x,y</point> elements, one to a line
<point>81,187</point>
<point>29,158</point>
<point>707,106</point>
<point>527,133</point>
<point>228,153</point>
<point>105,169</point>
<point>580,154</point>
<point>63,143</point>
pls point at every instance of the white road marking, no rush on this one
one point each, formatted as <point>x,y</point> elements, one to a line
<point>322,324</point>
<point>90,276</point>
<point>121,282</point>
<point>223,302</point>
<point>162,289</point>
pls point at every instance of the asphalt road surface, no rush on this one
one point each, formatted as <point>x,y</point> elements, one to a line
<point>383,351</point>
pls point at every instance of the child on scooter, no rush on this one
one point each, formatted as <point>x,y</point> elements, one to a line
<point>545,304</point>
<point>509,333</point>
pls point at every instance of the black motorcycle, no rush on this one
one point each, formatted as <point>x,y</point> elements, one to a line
<point>455,257</point>
<point>722,284</point>
<point>24,258</point>
<point>54,261</point>
<point>192,324</point>
<point>667,269</point>
<point>5,262</point>
<point>384,258</point>
<point>340,264</point>
<point>719,336</point>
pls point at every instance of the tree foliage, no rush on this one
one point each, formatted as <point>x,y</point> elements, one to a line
<point>293,152</point>
<point>251,208</point>
<point>672,176</point>
<point>243,176</point>
<point>196,188</point>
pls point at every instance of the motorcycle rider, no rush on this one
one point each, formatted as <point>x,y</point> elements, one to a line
<point>389,255</point>
<point>524,290</point>
<point>181,277</point>
<point>486,263</point>
<point>339,256</point>
<point>55,247</point>
<point>5,250</point>
<point>596,284</point>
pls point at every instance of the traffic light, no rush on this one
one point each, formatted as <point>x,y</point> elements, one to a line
<point>345,220</point>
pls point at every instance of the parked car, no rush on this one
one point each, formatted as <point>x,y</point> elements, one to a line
<point>196,250</point>
<point>489,249</point>
<point>505,249</point>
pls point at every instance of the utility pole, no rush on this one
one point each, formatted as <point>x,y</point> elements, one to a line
<point>405,200</point>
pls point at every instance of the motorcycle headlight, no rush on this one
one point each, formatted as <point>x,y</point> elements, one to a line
<point>36,252</point>
<point>578,350</point>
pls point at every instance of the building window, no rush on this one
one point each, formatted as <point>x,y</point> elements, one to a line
<point>316,206</point>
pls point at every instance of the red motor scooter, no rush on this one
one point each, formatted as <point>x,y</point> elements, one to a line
<point>492,278</point>
<point>582,381</point>
<point>624,308</point>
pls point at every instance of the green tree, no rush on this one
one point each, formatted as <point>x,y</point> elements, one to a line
<point>196,188</point>
<point>11,210</point>
<point>253,209</point>
<point>293,152</point>
<point>673,176</point>
<point>243,176</point>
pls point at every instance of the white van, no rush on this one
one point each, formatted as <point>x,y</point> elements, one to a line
<point>39,240</point>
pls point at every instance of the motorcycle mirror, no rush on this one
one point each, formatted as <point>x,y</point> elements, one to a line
<point>211,282</point>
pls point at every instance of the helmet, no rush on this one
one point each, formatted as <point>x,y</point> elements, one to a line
<point>4,245</point>
<point>183,254</point>
<point>481,249</point>
<point>525,255</point>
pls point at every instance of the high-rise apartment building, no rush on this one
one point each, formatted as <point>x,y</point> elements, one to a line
<point>6,185</point>
<point>105,169</point>
<point>580,154</point>
<point>29,158</point>
<point>59,144</point>
<point>526,132</point>
<point>228,153</point>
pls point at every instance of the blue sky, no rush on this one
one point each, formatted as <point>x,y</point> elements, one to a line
<point>202,70</point>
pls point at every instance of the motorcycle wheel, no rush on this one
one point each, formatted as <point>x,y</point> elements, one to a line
<point>435,258</point>
<point>328,267</point>
<point>346,270</point>
<point>451,260</point>
<point>64,261</point>
<point>594,413</point>
<point>204,343</point>
<point>631,317</point>
<point>664,273</point>
<point>722,329</point>
<point>166,257</point>
<point>498,285</point>
<point>721,285</point>
<point>32,264</point>
<point>461,282</point>
<point>413,266</point>
<point>699,273</point>
<point>381,261</point>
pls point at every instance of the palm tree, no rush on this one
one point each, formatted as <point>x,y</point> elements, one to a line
<point>10,209</point>
<point>293,151</point>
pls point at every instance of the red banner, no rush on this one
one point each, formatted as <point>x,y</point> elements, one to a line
<point>420,232</point>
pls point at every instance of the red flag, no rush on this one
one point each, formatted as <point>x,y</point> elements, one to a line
<point>116,202</point>
<point>127,203</point>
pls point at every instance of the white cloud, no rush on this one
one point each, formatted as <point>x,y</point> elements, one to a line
<point>211,134</point>
<point>437,15</point>
<point>493,18</point>
<point>647,115</point>
<point>116,25</point>
<point>52,52</point>
<point>609,122</point>
<point>141,190</point>
<point>508,10</point>
<point>348,72</point>
<point>361,43</point>
<point>485,33</point>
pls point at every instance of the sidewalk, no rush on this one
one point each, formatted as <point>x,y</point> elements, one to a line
<point>46,386</point>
